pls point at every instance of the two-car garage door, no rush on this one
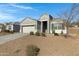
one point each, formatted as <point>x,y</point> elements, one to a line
<point>28,29</point>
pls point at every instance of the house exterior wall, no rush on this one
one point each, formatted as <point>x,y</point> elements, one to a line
<point>21,30</point>
<point>38,25</point>
<point>49,25</point>
<point>27,25</point>
<point>9,27</point>
<point>50,29</point>
<point>6,27</point>
<point>12,27</point>
<point>16,28</point>
<point>47,18</point>
<point>63,29</point>
<point>1,27</point>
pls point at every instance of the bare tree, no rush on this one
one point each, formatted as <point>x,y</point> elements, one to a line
<point>70,15</point>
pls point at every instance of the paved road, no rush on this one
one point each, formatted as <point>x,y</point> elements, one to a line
<point>9,37</point>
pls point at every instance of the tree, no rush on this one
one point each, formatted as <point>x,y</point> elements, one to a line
<point>69,15</point>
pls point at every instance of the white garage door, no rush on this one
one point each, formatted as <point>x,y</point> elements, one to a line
<point>28,29</point>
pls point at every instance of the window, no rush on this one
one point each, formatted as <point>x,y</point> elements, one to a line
<point>54,26</point>
<point>57,26</point>
<point>9,27</point>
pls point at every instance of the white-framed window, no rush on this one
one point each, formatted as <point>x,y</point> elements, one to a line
<point>58,26</point>
<point>9,27</point>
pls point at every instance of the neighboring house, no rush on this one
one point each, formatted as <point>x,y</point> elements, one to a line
<point>75,24</point>
<point>1,27</point>
<point>13,26</point>
<point>46,24</point>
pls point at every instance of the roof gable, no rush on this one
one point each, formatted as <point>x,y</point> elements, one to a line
<point>46,17</point>
<point>28,21</point>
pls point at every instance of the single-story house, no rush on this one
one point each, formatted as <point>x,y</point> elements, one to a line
<point>46,24</point>
<point>13,26</point>
<point>1,27</point>
<point>77,24</point>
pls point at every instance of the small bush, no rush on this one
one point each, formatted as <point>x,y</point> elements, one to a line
<point>6,31</point>
<point>56,34</point>
<point>43,34</point>
<point>61,32</point>
<point>32,50</point>
<point>11,31</point>
<point>31,33</point>
<point>65,35</point>
<point>17,51</point>
<point>37,34</point>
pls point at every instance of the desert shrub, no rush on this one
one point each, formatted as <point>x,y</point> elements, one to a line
<point>43,34</point>
<point>32,50</point>
<point>61,32</point>
<point>56,34</point>
<point>6,31</point>
<point>31,33</point>
<point>17,50</point>
<point>11,31</point>
<point>37,33</point>
<point>66,36</point>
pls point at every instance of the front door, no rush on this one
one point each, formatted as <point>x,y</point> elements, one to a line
<point>44,26</point>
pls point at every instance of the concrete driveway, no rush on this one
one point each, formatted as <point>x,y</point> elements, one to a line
<point>9,37</point>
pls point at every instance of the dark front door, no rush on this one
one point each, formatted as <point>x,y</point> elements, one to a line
<point>44,26</point>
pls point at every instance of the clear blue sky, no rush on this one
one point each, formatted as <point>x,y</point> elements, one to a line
<point>16,12</point>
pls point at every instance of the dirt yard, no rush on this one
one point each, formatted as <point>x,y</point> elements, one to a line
<point>49,46</point>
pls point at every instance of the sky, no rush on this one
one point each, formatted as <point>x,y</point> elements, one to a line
<point>18,11</point>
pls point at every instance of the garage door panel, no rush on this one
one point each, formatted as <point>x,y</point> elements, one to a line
<point>28,29</point>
